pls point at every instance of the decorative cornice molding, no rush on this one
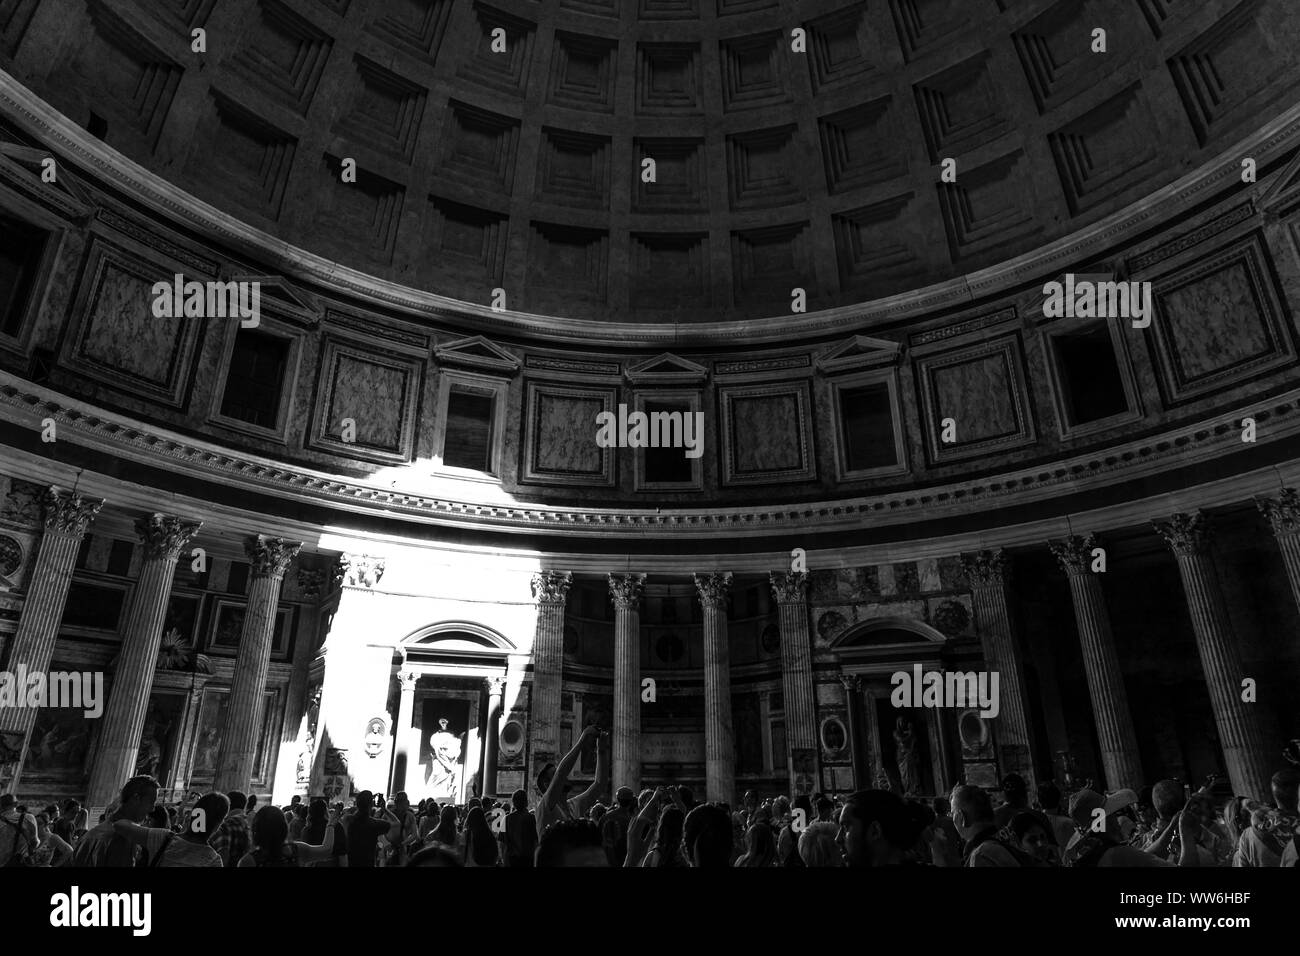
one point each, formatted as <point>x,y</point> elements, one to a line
<point>625,590</point>
<point>1187,535</point>
<point>163,536</point>
<point>41,121</point>
<point>123,437</point>
<point>551,587</point>
<point>67,513</point>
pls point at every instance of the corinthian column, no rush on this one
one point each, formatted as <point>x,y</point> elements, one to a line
<point>1283,514</point>
<point>790,588</point>
<point>67,516</point>
<point>1237,722</point>
<point>626,590</point>
<point>162,537</point>
<point>1119,748</point>
<point>268,559</point>
<point>988,573</point>
<point>550,591</point>
<point>719,736</point>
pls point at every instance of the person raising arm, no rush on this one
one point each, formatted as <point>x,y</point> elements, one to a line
<point>553,806</point>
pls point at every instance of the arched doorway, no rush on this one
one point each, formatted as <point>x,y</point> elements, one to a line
<point>451,676</point>
<point>899,745</point>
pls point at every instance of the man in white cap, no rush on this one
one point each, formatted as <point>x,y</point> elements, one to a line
<point>1100,843</point>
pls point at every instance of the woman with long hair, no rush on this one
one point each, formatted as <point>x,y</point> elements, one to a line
<point>480,844</point>
<point>667,850</point>
<point>446,831</point>
<point>271,845</point>
<point>760,847</point>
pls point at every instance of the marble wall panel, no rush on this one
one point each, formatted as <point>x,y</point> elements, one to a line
<point>561,435</point>
<point>1219,322</point>
<point>767,433</point>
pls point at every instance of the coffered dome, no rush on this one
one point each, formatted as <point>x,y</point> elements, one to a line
<point>658,161</point>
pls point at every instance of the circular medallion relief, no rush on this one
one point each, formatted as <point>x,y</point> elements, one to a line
<point>834,735</point>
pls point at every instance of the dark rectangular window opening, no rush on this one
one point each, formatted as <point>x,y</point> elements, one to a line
<point>255,381</point>
<point>237,580</point>
<point>1091,384</point>
<point>83,552</point>
<point>867,424</point>
<point>119,558</point>
<point>469,431</point>
<point>666,466</point>
<point>21,248</point>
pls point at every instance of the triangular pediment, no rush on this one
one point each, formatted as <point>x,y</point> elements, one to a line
<point>1285,191</point>
<point>22,166</point>
<point>477,352</point>
<point>286,299</point>
<point>666,368</point>
<point>858,351</point>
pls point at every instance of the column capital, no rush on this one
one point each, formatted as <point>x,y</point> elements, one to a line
<point>270,557</point>
<point>988,568</point>
<point>163,536</point>
<point>713,587</point>
<point>495,685</point>
<point>1074,553</point>
<point>625,590</point>
<point>359,570</point>
<point>1186,534</point>
<point>311,582</point>
<point>408,680</point>
<point>68,513</point>
<point>851,682</point>
<point>551,587</point>
<point>789,587</point>
<point>1282,512</point>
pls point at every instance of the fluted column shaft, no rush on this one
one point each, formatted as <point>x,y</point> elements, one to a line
<point>269,558</point>
<point>162,538</point>
<point>550,591</point>
<point>1120,759</point>
<point>626,590</point>
<point>791,592</point>
<point>491,734</point>
<point>408,743</point>
<point>987,572</point>
<point>1237,721</point>
<point>66,517</point>
<point>1283,514</point>
<point>719,734</point>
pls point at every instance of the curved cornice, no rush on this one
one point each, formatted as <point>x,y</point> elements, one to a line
<point>71,142</point>
<point>128,439</point>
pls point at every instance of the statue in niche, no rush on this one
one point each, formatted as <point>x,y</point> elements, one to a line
<point>306,758</point>
<point>444,774</point>
<point>909,764</point>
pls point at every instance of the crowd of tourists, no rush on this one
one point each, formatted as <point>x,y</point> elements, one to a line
<point>1166,824</point>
